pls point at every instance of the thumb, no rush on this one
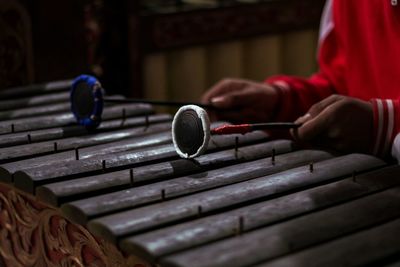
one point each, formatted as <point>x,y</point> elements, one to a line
<point>311,127</point>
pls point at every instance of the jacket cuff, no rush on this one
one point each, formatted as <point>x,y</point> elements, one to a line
<point>284,110</point>
<point>386,125</point>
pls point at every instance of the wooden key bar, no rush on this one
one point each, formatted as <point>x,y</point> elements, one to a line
<point>94,207</point>
<point>14,139</point>
<point>293,235</point>
<point>358,249</point>
<point>64,119</point>
<point>35,89</point>
<point>117,160</point>
<point>146,218</point>
<point>172,239</point>
<point>58,193</point>
<point>37,149</point>
<point>34,111</point>
<point>19,103</point>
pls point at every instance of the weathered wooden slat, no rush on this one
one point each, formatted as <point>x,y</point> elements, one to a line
<point>34,101</point>
<point>217,142</point>
<point>58,193</point>
<point>35,89</point>
<point>86,152</point>
<point>36,149</point>
<point>63,119</point>
<point>114,226</point>
<point>21,138</point>
<point>359,249</point>
<point>82,210</point>
<point>29,179</point>
<point>156,244</point>
<point>35,111</point>
<point>8,169</point>
<point>270,242</point>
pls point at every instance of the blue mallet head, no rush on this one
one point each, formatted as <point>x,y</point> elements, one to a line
<point>87,100</point>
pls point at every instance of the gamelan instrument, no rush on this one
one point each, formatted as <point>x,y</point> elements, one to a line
<point>122,196</point>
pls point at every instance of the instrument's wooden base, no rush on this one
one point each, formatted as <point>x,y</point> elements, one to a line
<point>33,234</point>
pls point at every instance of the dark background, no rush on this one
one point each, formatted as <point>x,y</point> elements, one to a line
<point>47,40</point>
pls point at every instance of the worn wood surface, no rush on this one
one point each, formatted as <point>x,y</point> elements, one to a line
<point>58,193</point>
<point>34,111</point>
<point>89,208</point>
<point>359,249</point>
<point>12,104</point>
<point>91,140</point>
<point>112,227</point>
<point>30,178</point>
<point>269,242</point>
<point>156,244</point>
<point>66,118</point>
<point>84,152</point>
<point>36,89</point>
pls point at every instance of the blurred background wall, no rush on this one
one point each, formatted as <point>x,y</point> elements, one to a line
<point>184,74</point>
<point>156,49</point>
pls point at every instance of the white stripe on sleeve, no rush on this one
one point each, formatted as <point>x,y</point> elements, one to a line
<point>389,132</point>
<point>380,126</point>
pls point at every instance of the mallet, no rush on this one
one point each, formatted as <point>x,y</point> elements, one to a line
<point>87,101</point>
<point>191,130</point>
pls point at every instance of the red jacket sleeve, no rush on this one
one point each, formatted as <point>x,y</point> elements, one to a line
<point>299,94</point>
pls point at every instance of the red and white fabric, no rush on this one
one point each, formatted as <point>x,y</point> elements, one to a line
<point>358,56</point>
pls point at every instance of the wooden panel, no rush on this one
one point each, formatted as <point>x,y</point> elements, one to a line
<point>224,60</point>
<point>187,74</point>
<point>262,57</point>
<point>155,72</point>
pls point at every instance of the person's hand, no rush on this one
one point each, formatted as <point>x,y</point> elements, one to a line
<point>241,101</point>
<point>338,122</point>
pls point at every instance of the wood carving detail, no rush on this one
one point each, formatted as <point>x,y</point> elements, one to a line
<point>35,235</point>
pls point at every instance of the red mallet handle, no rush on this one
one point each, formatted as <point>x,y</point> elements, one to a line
<point>246,128</point>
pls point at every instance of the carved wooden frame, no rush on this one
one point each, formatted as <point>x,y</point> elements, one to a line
<point>34,234</point>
